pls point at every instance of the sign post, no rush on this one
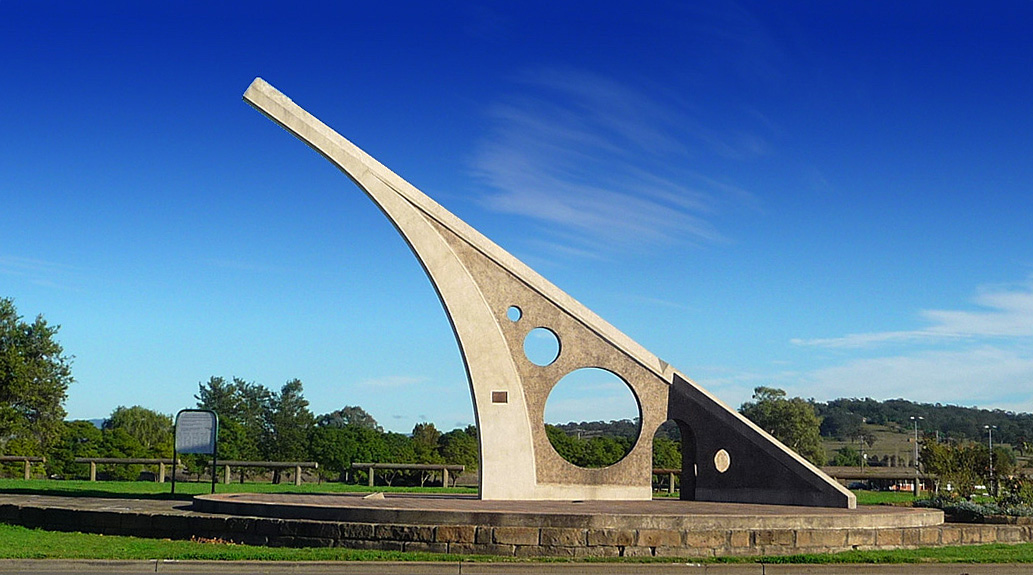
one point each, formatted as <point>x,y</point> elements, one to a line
<point>197,431</point>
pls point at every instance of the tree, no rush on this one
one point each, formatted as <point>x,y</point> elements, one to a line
<point>425,443</point>
<point>349,415</point>
<point>118,442</point>
<point>793,421</point>
<point>288,421</point>
<point>1005,461</point>
<point>666,453</point>
<point>221,397</point>
<point>841,424</point>
<point>956,465</point>
<point>78,439</point>
<point>863,436</point>
<point>399,448</point>
<point>568,447</point>
<point>336,448</point>
<point>241,407</point>
<point>152,430</point>
<point>34,379</point>
<point>604,451</point>
<point>460,447</point>
<point>847,456</point>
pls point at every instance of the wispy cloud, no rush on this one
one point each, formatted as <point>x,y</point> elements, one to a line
<point>982,356</point>
<point>1007,312</point>
<point>38,272</point>
<point>986,376</point>
<point>603,160</point>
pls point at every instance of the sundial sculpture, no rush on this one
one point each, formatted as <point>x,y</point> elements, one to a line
<point>494,300</point>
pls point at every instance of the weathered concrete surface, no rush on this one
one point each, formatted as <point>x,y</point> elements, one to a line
<point>479,283</point>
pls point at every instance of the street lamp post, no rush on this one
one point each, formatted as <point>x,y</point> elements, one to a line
<point>990,431</point>
<point>916,419</point>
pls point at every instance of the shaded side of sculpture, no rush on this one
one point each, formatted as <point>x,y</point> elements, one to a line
<point>494,302</point>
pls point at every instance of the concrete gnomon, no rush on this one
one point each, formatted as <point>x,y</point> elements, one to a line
<point>495,303</point>
<point>530,500</point>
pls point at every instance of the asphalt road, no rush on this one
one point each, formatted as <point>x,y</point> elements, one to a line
<point>63,567</point>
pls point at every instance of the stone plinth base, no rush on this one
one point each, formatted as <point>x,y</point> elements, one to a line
<point>451,524</point>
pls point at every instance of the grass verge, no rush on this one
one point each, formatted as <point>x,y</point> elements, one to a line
<point>884,497</point>
<point>22,543</point>
<point>151,490</point>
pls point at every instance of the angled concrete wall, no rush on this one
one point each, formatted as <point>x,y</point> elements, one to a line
<point>738,462</point>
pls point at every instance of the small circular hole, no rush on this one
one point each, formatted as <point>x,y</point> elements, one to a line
<point>514,313</point>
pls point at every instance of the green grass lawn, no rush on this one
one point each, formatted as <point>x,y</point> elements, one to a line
<point>21,543</point>
<point>186,490</point>
<point>884,497</point>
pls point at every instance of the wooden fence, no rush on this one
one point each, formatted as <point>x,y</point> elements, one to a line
<point>93,461</point>
<point>163,463</point>
<point>297,465</point>
<point>422,467</point>
<point>670,473</point>
<point>26,459</point>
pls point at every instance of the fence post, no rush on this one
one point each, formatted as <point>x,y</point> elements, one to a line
<point>93,471</point>
<point>226,474</point>
<point>28,470</point>
<point>371,476</point>
<point>161,472</point>
<point>670,485</point>
<point>297,475</point>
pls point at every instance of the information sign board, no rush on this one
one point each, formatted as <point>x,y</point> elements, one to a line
<point>196,431</point>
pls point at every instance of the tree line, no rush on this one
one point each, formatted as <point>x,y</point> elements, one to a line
<point>845,418</point>
<point>259,424</point>
<point>262,424</point>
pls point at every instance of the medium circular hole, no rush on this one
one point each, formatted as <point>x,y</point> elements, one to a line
<point>592,418</point>
<point>541,346</point>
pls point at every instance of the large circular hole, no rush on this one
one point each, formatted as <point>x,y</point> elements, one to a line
<point>592,418</point>
<point>541,346</point>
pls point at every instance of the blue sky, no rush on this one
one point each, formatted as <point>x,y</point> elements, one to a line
<point>834,200</point>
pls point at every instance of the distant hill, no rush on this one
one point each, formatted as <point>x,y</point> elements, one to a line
<point>620,428</point>
<point>843,418</point>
